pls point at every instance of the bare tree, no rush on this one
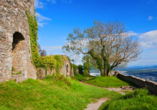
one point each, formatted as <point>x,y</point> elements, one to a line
<point>42,52</point>
<point>108,44</point>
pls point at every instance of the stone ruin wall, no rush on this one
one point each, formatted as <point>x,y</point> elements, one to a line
<point>150,85</point>
<point>66,70</point>
<point>15,48</point>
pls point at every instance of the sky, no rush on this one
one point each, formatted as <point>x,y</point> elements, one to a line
<point>57,18</point>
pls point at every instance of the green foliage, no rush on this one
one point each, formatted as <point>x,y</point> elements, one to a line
<point>52,93</point>
<point>53,62</point>
<point>80,67</point>
<point>141,99</point>
<point>107,81</point>
<point>16,73</point>
<point>33,28</point>
<point>59,63</point>
<point>86,68</point>
<point>12,69</point>
<point>48,61</point>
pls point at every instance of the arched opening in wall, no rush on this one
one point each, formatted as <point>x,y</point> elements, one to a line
<point>17,37</point>
<point>67,70</point>
<point>19,54</point>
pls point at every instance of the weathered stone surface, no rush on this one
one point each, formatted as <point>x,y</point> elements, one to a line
<point>18,78</point>
<point>14,51</point>
<point>0,29</point>
<point>111,73</point>
<point>72,71</point>
<point>65,70</point>
<point>150,85</point>
<point>41,73</point>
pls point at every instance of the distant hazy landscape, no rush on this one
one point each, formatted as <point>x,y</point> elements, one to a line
<point>144,72</point>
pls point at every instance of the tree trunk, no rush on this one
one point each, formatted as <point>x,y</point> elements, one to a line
<point>102,72</point>
<point>105,70</point>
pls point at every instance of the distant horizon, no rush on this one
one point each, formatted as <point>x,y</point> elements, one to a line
<point>142,66</point>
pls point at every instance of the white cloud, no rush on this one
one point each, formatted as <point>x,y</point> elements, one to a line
<point>148,39</point>
<point>150,18</point>
<point>143,62</point>
<point>41,19</point>
<point>41,24</point>
<point>131,33</point>
<point>51,48</point>
<point>38,4</point>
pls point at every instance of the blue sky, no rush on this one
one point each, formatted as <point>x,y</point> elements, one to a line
<point>57,18</point>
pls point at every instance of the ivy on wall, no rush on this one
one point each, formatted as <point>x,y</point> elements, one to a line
<point>59,63</point>
<point>33,28</point>
<point>53,62</point>
<point>74,68</point>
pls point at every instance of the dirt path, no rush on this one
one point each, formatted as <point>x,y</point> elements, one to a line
<point>95,106</point>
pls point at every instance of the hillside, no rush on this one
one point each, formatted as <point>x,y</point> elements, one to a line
<point>54,92</point>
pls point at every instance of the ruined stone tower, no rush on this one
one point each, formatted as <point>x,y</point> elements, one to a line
<point>15,48</point>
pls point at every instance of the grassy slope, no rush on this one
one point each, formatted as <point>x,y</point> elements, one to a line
<point>107,82</point>
<point>80,77</point>
<point>51,93</point>
<point>138,100</point>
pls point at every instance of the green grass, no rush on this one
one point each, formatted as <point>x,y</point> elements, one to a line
<point>107,82</point>
<point>141,99</point>
<point>80,77</point>
<point>52,93</point>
